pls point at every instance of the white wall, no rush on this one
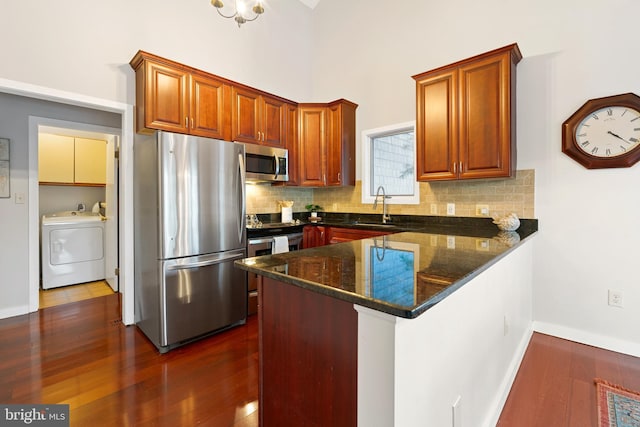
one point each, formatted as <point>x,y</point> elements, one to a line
<point>84,48</point>
<point>413,370</point>
<point>573,51</point>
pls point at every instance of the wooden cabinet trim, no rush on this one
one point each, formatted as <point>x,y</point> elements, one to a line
<point>513,49</point>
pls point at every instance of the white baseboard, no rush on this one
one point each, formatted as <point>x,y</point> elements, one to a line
<point>508,380</point>
<point>14,311</point>
<point>588,338</point>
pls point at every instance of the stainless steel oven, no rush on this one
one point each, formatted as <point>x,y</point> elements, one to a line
<point>257,246</point>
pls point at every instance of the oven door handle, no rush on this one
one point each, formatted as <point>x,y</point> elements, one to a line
<point>260,241</point>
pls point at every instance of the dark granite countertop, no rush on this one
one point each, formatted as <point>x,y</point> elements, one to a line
<point>402,274</point>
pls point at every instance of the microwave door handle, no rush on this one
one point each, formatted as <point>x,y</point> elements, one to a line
<point>275,158</point>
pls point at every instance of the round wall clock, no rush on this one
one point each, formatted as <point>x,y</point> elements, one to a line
<point>604,132</point>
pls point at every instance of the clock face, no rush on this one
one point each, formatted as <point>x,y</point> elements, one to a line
<point>610,131</point>
<point>604,132</point>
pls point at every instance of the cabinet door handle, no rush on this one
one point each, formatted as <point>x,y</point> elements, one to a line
<point>460,167</point>
<point>338,176</point>
<point>186,121</point>
<point>191,122</point>
<point>455,170</point>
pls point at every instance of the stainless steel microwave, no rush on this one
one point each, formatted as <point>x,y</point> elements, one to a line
<point>265,163</point>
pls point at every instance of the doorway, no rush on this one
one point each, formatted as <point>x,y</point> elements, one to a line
<point>125,233</point>
<point>101,203</point>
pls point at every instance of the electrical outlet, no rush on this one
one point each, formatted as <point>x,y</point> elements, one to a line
<point>615,298</point>
<point>451,208</point>
<point>434,209</point>
<point>19,198</point>
<point>482,210</point>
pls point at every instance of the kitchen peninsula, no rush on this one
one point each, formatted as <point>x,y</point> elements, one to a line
<point>393,330</point>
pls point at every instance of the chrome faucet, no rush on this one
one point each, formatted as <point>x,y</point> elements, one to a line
<point>385,217</point>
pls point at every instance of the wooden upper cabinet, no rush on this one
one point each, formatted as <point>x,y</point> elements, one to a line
<point>209,108</point>
<point>274,119</point>
<point>258,118</point>
<point>326,136</point>
<point>465,118</point>
<point>176,98</point>
<point>312,144</point>
<point>245,115</point>
<point>341,143</point>
<point>437,126</point>
<point>320,138</point>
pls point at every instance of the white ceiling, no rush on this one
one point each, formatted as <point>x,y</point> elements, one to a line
<point>310,3</point>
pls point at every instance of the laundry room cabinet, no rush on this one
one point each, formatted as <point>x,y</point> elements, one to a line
<point>65,160</point>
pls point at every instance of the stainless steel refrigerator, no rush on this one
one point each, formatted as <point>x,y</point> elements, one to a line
<point>189,224</point>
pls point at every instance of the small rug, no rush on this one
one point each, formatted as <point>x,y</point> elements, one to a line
<point>617,407</point>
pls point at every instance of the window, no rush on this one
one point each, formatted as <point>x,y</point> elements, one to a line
<point>389,160</point>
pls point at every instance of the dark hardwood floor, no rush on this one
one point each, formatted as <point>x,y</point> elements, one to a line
<point>555,383</point>
<point>110,375</point>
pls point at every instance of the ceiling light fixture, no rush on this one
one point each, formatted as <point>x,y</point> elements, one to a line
<point>241,10</point>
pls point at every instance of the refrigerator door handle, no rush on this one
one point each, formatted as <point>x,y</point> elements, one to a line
<point>241,219</point>
<point>205,262</point>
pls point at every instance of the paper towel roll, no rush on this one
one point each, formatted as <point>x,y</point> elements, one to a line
<point>287,214</point>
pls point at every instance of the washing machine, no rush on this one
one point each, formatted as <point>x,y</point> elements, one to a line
<point>72,248</point>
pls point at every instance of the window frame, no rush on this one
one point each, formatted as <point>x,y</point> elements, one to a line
<point>367,136</point>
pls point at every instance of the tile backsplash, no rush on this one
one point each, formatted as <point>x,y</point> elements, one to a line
<point>502,196</point>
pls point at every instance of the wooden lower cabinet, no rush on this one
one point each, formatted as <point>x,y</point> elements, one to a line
<point>339,234</point>
<point>312,236</point>
<point>308,357</point>
<point>318,235</point>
